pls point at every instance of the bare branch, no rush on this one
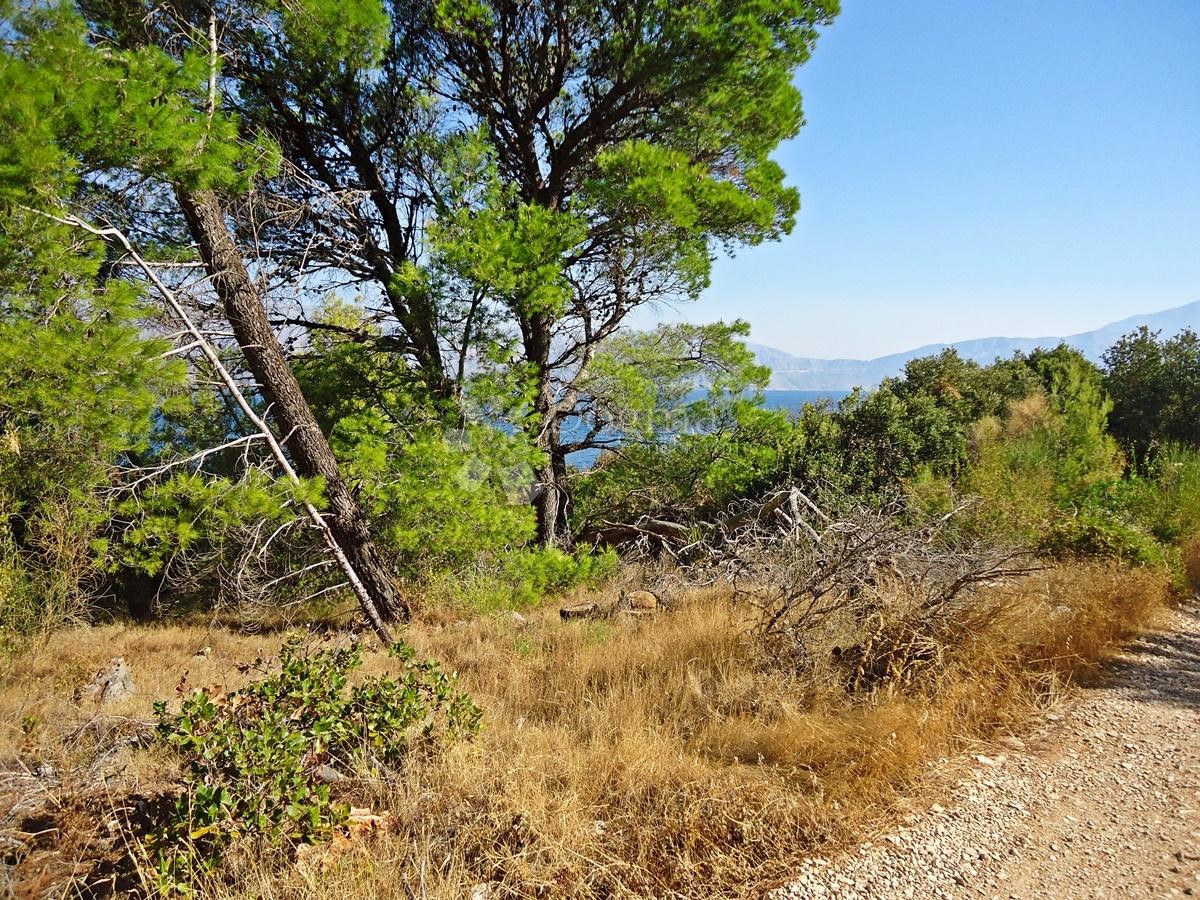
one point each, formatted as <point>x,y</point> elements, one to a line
<point>214,360</point>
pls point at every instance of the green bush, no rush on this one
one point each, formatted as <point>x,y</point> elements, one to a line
<point>255,757</point>
<point>79,384</point>
<point>1095,533</point>
<point>535,573</point>
<point>518,579</point>
<point>441,489</point>
<point>1174,508</point>
<point>192,529</point>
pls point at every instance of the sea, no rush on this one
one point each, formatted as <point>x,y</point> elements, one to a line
<point>792,401</point>
<point>795,400</point>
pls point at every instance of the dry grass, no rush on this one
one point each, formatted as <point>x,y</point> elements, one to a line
<point>659,759</point>
<point>1191,562</point>
<point>40,684</point>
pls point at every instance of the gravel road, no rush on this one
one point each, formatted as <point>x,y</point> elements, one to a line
<point>1101,801</point>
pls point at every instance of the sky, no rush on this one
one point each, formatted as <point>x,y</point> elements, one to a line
<point>972,168</point>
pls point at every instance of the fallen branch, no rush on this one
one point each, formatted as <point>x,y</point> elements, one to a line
<point>264,431</point>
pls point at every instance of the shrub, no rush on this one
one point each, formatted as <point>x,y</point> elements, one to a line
<point>518,579</point>
<point>79,384</point>
<point>255,757</point>
<point>1099,534</point>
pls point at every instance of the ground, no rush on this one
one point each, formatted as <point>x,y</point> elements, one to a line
<point>1101,801</point>
<point>665,749</point>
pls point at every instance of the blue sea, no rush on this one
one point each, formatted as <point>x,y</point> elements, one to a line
<point>793,401</point>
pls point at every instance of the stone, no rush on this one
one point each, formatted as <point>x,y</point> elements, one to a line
<point>112,683</point>
<point>633,616</point>
<point>329,775</point>
<point>640,600</point>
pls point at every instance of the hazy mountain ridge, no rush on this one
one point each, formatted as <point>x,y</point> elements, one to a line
<point>790,372</point>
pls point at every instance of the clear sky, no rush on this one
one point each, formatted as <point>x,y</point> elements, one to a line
<point>973,168</point>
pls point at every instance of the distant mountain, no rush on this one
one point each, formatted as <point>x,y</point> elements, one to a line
<point>796,373</point>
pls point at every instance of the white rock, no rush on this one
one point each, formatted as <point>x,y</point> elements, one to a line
<point>113,682</point>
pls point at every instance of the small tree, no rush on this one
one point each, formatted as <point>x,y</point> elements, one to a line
<point>1155,385</point>
<point>129,125</point>
<point>79,383</point>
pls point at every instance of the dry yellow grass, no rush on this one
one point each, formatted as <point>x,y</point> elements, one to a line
<point>1191,562</point>
<point>40,684</point>
<point>660,759</point>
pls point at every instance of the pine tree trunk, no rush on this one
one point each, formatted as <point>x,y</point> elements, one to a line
<point>550,504</point>
<point>304,439</point>
<point>552,496</point>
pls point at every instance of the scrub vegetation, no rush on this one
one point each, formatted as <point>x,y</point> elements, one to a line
<point>311,315</point>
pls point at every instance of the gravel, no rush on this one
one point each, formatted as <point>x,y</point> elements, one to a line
<point>1102,802</point>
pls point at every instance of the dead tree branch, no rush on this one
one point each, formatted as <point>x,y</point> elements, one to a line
<point>210,353</point>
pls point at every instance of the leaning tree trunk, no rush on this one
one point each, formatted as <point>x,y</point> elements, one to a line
<point>304,439</point>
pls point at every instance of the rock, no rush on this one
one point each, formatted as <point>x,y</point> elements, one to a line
<point>329,775</point>
<point>112,683</point>
<point>481,892</point>
<point>640,600</point>
<point>633,616</point>
<point>1011,743</point>
<point>580,611</point>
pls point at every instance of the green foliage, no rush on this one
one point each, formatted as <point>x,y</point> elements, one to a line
<point>1096,533</point>
<point>1163,498</point>
<point>532,574</point>
<point>78,385</point>
<point>440,491</point>
<point>1027,434</point>
<point>511,251</point>
<point>72,107</point>
<point>1084,451</point>
<point>189,511</point>
<point>918,425</point>
<point>254,756</point>
<point>79,382</point>
<point>517,579</point>
<point>1155,385</point>
<point>693,474</point>
<point>886,437</point>
<point>197,540</point>
<point>439,500</point>
<point>684,399</point>
<point>651,385</point>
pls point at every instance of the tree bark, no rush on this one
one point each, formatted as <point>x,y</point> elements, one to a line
<point>303,437</point>
<point>552,499</point>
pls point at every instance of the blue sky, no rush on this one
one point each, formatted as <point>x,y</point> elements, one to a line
<point>973,168</point>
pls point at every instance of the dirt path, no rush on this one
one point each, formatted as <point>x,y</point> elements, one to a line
<point>1102,802</point>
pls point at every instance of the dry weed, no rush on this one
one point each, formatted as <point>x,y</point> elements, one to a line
<point>665,758</point>
<point>1191,562</point>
